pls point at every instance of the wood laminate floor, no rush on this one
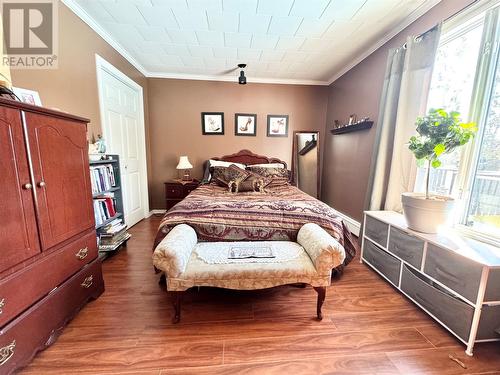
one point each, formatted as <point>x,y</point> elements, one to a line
<point>368,328</point>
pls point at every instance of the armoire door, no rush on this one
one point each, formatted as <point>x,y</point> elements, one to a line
<point>18,230</point>
<point>59,154</point>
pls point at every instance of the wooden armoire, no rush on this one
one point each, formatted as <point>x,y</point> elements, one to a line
<point>49,266</point>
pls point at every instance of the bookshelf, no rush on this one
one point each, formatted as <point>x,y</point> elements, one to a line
<point>108,204</point>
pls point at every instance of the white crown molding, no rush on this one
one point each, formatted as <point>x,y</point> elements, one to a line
<point>85,17</point>
<point>415,15</point>
<point>202,77</point>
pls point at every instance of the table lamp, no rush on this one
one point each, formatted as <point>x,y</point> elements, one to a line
<point>185,165</point>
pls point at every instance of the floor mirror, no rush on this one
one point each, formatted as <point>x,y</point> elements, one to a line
<point>306,162</point>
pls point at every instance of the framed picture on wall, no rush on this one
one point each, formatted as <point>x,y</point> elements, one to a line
<point>277,125</point>
<point>245,124</point>
<point>27,96</point>
<point>212,123</point>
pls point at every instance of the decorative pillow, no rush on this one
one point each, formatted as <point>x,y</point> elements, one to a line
<point>210,164</point>
<point>251,183</point>
<point>224,175</point>
<point>277,176</point>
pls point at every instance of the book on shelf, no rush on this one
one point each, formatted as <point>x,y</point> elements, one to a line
<point>102,178</point>
<point>104,209</point>
<point>112,235</point>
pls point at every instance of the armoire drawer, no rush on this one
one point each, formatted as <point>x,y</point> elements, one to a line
<point>21,289</point>
<point>456,272</point>
<point>407,247</point>
<point>376,230</point>
<point>35,328</point>
<point>384,262</point>
<point>455,314</point>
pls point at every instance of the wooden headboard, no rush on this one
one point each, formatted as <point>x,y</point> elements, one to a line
<point>249,158</point>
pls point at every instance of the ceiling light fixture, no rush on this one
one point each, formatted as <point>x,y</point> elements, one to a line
<point>242,80</point>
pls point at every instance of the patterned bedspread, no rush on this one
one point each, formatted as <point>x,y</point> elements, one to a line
<point>278,214</point>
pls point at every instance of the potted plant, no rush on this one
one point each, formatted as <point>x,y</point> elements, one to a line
<point>439,133</point>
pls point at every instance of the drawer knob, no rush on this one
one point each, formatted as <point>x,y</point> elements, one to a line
<point>82,253</point>
<point>2,304</point>
<point>7,352</point>
<point>27,186</point>
<point>87,283</point>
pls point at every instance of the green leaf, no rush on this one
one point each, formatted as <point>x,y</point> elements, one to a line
<point>436,163</point>
<point>420,163</point>
<point>468,125</point>
<point>442,113</point>
<point>439,149</point>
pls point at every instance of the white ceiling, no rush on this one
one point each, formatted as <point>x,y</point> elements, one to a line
<point>285,41</point>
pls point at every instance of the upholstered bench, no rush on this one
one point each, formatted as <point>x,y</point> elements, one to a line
<point>308,261</point>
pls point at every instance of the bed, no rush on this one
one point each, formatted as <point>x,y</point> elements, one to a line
<point>277,214</point>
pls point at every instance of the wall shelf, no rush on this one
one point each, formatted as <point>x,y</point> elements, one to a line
<point>352,128</point>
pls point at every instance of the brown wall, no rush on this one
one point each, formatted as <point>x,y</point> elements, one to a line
<point>347,157</point>
<point>73,86</point>
<point>175,108</point>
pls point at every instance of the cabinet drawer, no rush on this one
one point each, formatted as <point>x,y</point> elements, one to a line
<point>455,314</point>
<point>174,191</point>
<point>188,189</point>
<point>493,287</point>
<point>489,326</point>
<point>376,230</point>
<point>454,271</point>
<point>407,247</point>
<point>20,290</point>
<point>38,326</point>
<point>388,265</point>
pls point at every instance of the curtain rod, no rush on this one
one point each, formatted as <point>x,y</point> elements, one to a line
<point>404,46</point>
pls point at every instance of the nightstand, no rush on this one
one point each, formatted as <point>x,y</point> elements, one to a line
<point>175,191</point>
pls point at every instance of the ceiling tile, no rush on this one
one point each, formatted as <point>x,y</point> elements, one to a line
<point>264,41</point>
<point>254,23</point>
<point>210,38</point>
<point>309,8</point>
<point>223,21</point>
<point>243,6</point>
<point>201,51</point>
<point>290,42</point>
<point>272,55</point>
<point>317,44</point>
<point>275,7</point>
<point>176,49</point>
<point>159,16</point>
<point>249,54</point>
<point>125,13</point>
<point>96,10</point>
<point>153,34</point>
<point>225,52</point>
<point>191,19</point>
<point>293,56</point>
<point>343,10</point>
<point>284,25</point>
<point>216,64</point>
<point>313,28</point>
<point>174,4</point>
<point>193,61</point>
<point>183,36</point>
<point>215,5</point>
<point>237,40</point>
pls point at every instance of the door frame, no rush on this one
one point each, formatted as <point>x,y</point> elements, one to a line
<point>104,66</point>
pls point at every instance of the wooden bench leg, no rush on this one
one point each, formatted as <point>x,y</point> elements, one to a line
<point>177,299</point>
<point>321,290</point>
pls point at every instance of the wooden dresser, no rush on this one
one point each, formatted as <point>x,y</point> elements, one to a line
<point>454,279</point>
<point>48,252</point>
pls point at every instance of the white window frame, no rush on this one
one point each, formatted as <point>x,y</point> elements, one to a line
<point>480,100</point>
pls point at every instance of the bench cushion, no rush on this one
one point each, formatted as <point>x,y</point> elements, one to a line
<point>247,276</point>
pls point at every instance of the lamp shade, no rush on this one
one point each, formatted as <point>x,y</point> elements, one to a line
<point>184,163</point>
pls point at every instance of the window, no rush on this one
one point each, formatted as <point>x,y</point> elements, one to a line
<point>466,78</point>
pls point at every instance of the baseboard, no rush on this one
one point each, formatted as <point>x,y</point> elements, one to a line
<point>353,225</point>
<point>157,212</point>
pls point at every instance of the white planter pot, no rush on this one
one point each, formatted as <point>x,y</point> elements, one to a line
<point>427,215</point>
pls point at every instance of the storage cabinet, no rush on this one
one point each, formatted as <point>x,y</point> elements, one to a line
<point>175,191</point>
<point>454,279</point>
<point>47,235</point>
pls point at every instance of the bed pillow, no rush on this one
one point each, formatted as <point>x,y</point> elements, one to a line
<point>270,165</point>
<point>277,176</point>
<point>210,164</point>
<point>223,175</point>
